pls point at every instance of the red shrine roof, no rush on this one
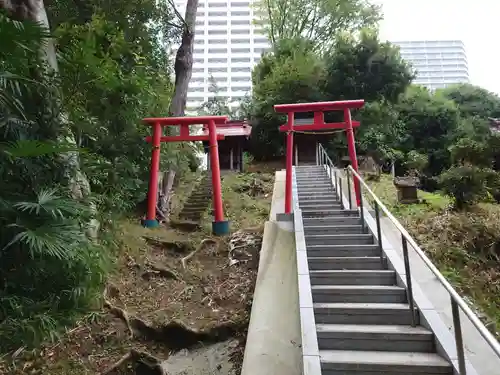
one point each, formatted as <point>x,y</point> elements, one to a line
<point>236,128</point>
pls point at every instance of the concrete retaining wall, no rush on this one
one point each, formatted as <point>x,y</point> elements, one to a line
<point>273,344</point>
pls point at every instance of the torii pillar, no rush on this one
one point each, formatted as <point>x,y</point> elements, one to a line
<point>219,225</point>
<point>318,123</point>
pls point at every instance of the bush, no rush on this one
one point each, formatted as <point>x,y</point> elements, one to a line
<point>468,184</point>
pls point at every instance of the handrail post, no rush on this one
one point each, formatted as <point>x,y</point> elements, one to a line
<point>457,327</point>
<point>409,286</point>
<point>379,232</point>
<point>336,182</point>
<point>349,194</point>
<point>340,191</point>
<point>361,210</point>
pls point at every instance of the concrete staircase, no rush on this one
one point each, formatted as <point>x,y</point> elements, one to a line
<point>198,201</point>
<point>363,320</point>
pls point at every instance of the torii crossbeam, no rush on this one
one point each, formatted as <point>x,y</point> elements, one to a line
<point>219,225</point>
<point>318,123</point>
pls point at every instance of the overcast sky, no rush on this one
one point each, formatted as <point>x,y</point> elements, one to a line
<point>476,23</point>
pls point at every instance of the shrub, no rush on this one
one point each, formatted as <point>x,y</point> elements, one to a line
<point>468,184</point>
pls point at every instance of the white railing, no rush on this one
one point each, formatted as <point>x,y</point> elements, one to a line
<point>456,301</point>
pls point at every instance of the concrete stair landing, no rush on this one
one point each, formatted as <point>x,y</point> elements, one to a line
<point>363,320</point>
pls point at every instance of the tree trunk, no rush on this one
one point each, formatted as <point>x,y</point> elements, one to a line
<point>183,70</point>
<point>34,10</point>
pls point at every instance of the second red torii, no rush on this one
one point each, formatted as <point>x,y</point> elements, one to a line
<point>318,123</point>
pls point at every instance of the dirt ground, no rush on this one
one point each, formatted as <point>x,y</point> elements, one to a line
<point>172,295</point>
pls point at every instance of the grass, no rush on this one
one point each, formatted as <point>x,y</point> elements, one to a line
<point>205,293</point>
<point>465,246</point>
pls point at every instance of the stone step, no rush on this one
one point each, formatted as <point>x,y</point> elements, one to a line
<point>353,277</point>
<point>189,209</point>
<point>392,338</point>
<point>346,362</point>
<point>330,205</point>
<point>321,200</point>
<point>320,229</point>
<point>340,239</point>
<point>314,212</point>
<point>342,250</point>
<point>345,263</point>
<point>358,294</point>
<point>331,221</point>
<point>307,184</point>
<point>363,313</point>
<point>304,197</point>
<point>316,188</point>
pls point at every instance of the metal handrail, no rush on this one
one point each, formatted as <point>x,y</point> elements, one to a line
<point>456,300</point>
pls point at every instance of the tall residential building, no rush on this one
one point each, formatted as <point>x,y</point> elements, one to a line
<point>227,47</point>
<point>438,63</point>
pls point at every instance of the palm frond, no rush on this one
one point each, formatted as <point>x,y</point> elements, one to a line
<point>49,202</point>
<point>58,240</point>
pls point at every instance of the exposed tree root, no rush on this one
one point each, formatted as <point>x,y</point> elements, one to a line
<point>175,335</point>
<point>180,247</point>
<point>117,311</point>
<point>161,271</point>
<point>140,357</point>
<point>206,241</point>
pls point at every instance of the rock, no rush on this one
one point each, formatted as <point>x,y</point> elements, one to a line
<point>208,360</point>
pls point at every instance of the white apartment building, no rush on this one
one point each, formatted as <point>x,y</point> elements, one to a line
<point>227,46</point>
<point>438,63</point>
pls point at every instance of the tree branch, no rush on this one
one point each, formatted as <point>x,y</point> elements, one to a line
<point>179,16</point>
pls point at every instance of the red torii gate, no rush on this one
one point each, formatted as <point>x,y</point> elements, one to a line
<point>219,226</point>
<point>318,123</point>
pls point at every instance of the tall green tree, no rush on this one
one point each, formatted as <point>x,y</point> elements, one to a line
<point>363,67</point>
<point>319,21</point>
<point>289,74</point>
<point>473,101</point>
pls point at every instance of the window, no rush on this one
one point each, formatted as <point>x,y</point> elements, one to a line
<point>217,22</point>
<point>196,98</point>
<point>240,50</point>
<point>200,5</point>
<point>216,5</point>
<point>198,70</point>
<point>240,41</point>
<point>217,50</point>
<point>240,13</point>
<point>198,41</point>
<point>221,88</point>
<point>217,60</point>
<point>260,40</point>
<point>240,79</point>
<point>196,89</point>
<point>240,59</point>
<point>217,41</point>
<point>240,22</point>
<point>220,79</point>
<point>240,31</point>
<point>198,61</point>
<point>240,69</point>
<point>240,4</point>
<point>200,23</point>
<point>217,32</point>
<point>256,60</point>
<point>201,13</point>
<point>240,88</point>
<point>198,51</point>
<point>218,70</point>
<point>197,79</point>
<point>217,14</point>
